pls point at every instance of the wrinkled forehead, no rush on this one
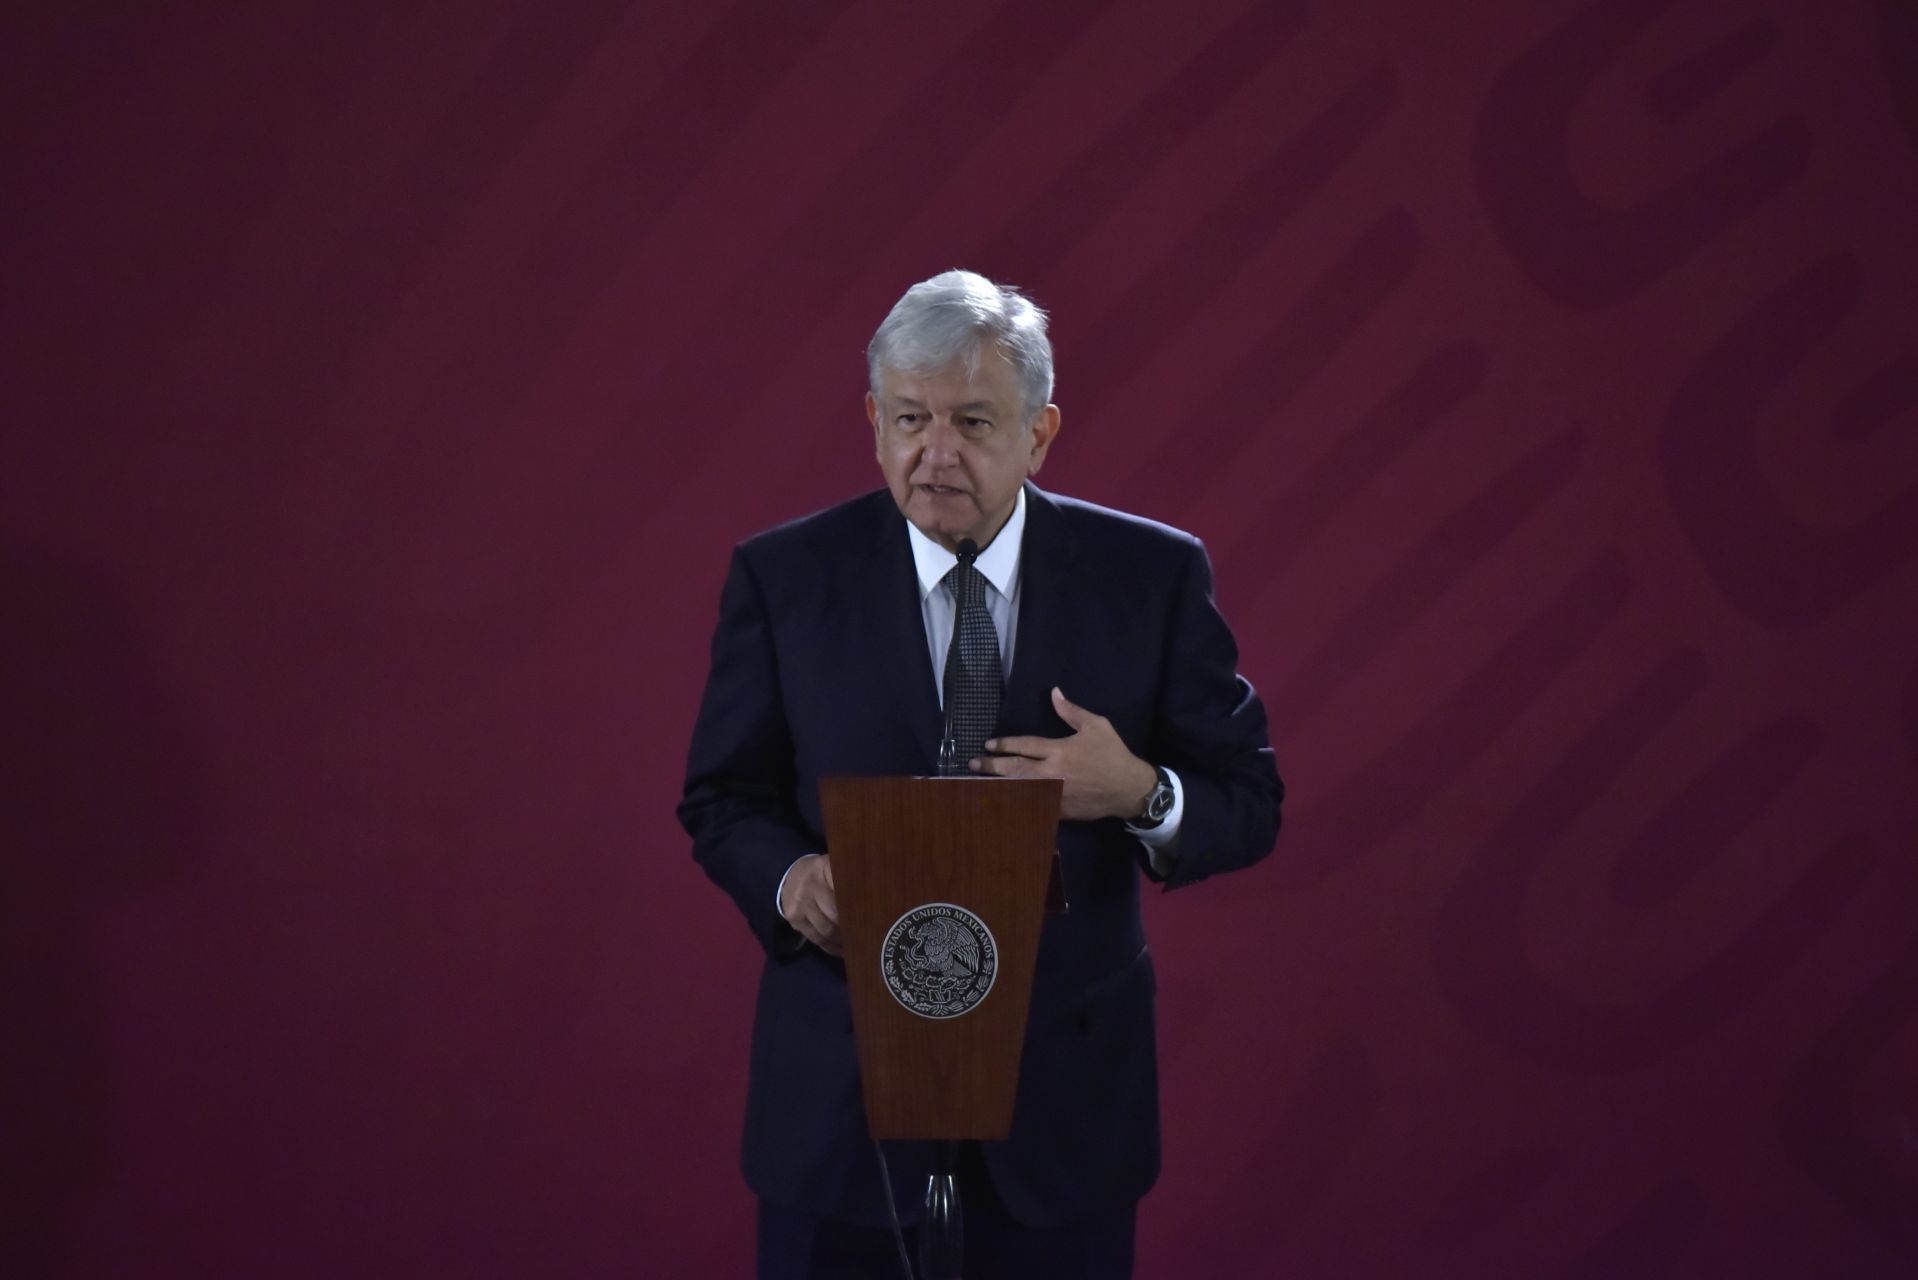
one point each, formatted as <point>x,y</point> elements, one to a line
<point>987,379</point>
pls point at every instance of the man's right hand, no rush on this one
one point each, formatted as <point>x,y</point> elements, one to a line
<point>808,903</point>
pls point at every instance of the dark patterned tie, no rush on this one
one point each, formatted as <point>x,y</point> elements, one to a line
<point>973,680</point>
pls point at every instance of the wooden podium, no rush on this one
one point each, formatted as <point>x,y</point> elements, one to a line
<point>942,890</point>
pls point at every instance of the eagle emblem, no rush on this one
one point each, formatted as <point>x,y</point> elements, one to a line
<point>939,960</point>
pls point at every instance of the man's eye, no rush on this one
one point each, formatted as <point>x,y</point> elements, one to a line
<point>975,424</point>
<point>910,419</point>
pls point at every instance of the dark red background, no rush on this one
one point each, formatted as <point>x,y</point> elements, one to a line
<point>385,386</point>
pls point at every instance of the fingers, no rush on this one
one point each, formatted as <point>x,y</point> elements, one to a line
<point>814,909</point>
<point>1075,716</point>
<point>1098,769</point>
<point>827,940</point>
<point>1030,747</point>
<point>819,901</point>
<point>818,922</point>
<point>1008,766</point>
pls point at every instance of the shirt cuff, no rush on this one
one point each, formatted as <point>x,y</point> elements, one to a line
<point>1159,840</point>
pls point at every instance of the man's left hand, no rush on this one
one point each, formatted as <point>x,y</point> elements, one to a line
<point>1103,778</point>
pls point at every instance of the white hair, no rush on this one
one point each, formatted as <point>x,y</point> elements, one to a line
<point>950,318</point>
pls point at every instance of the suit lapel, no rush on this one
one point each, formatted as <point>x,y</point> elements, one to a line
<point>901,630</point>
<point>1048,598</point>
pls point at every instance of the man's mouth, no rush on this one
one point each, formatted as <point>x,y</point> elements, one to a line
<point>941,490</point>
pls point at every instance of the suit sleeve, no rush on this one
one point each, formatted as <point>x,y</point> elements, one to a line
<point>738,803</point>
<point>1211,728</point>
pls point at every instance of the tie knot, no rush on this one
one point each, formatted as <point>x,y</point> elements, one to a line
<point>965,584</point>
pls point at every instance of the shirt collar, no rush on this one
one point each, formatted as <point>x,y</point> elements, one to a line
<point>998,562</point>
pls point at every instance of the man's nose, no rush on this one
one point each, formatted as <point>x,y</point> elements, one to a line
<point>942,444</point>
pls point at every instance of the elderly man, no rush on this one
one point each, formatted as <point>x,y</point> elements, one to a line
<point>1088,649</point>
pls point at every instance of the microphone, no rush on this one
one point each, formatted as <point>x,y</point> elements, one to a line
<point>949,765</point>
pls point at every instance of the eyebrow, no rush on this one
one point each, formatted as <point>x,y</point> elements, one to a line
<point>971,406</point>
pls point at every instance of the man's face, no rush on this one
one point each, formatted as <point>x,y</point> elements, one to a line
<point>956,449</point>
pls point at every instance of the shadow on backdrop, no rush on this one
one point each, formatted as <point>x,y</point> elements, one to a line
<point>100,805</point>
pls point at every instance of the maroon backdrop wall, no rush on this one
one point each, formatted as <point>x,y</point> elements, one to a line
<point>386,385</point>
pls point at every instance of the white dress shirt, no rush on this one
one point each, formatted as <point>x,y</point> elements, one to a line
<point>999,565</point>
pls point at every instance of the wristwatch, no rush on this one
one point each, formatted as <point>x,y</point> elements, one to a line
<point>1158,803</point>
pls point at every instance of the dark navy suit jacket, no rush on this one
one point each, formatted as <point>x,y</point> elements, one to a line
<point>820,667</point>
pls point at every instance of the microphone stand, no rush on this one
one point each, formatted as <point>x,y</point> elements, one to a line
<point>942,1237</point>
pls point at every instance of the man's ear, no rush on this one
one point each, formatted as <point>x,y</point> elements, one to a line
<point>1044,429</point>
<point>872,416</point>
